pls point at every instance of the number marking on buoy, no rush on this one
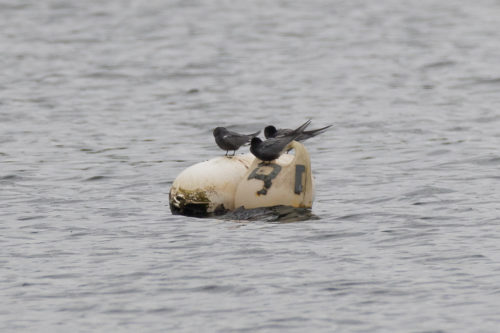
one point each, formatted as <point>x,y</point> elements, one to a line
<point>299,171</point>
<point>265,178</point>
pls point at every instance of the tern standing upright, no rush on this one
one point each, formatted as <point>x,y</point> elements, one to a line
<point>229,140</point>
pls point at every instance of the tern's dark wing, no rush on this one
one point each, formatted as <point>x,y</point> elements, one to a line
<point>235,138</point>
<point>283,132</point>
<point>275,144</point>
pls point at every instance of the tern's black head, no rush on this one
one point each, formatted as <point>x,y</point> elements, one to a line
<point>219,131</point>
<point>255,141</point>
<point>270,131</point>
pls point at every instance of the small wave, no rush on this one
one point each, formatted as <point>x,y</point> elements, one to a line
<point>438,152</point>
<point>327,236</point>
<point>478,81</point>
<point>488,81</point>
<point>427,191</point>
<point>438,64</point>
<point>9,177</point>
<point>495,160</point>
<point>35,217</point>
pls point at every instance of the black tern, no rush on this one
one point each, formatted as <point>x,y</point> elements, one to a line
<point>229,140</point>
<point>272,148</point>
<point>271,132</point>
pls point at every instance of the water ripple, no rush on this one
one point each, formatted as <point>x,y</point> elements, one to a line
<point>105,103</point>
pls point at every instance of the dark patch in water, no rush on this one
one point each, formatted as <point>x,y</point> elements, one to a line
<point>94,178</point>
<point>271,214</point>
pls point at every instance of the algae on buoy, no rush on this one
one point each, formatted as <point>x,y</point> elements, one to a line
<point>208,187</point>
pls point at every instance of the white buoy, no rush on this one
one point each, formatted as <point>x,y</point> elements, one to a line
<point>286,181</point>
<point>229,182</point>
<point>209,187</point>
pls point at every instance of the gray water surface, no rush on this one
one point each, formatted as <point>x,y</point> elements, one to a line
<point>103,104</point>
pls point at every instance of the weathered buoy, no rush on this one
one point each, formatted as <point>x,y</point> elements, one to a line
<point>209,187</point>
<point>227,183</point>
<point>286,181</point>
